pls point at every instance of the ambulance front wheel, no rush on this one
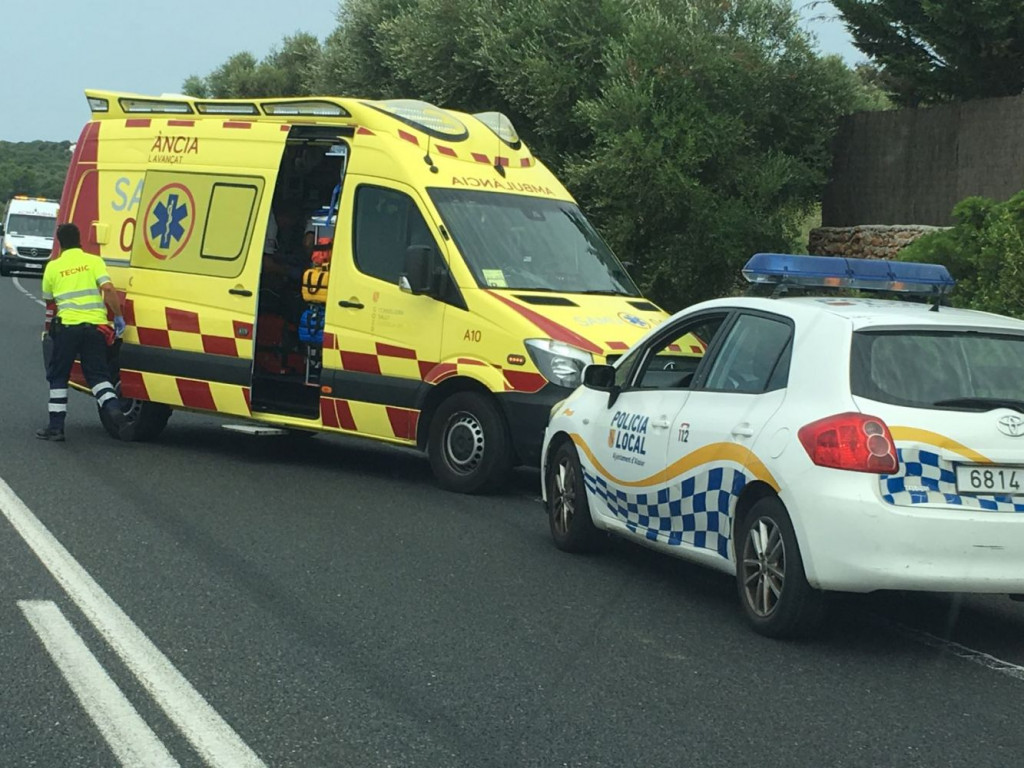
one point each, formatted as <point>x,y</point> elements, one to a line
<point>144,420</point>
<point>469,445</point>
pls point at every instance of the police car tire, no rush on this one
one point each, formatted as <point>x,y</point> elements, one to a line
<point>145,422</point>
<point>477,414</point>
<point>801,607</point>
<point>578,533</point>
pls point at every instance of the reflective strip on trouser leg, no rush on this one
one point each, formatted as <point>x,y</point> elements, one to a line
<point>58,401</point>
<point>103,393</point>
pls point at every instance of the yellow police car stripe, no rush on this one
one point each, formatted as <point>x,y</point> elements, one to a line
<point>709,453</point>
<point>913,434</point>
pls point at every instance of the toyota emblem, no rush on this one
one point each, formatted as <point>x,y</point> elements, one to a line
<point>1012,425</point>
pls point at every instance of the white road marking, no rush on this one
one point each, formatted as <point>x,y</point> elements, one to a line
<point>131,739</point>
<point>20,287</point>
<point>208,733</point>
<point>960,651</point>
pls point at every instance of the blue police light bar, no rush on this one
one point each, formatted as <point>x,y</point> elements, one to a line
<point>839,272</point>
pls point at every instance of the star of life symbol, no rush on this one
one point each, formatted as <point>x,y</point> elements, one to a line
<point>167,226</point>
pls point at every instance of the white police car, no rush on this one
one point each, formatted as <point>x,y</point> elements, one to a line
<point>807,443</point>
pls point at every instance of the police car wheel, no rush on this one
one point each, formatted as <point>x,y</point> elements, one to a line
<point>469,446</point>
<point>773,588</point>
<point>572,527</point>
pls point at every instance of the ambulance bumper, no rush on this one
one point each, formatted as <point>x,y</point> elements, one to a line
<point>851,540</point>
<point>527,416</point>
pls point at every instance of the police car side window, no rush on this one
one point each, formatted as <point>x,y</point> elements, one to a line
<point>672,360</point>
<point>387,222</point>
<point>754,356</point>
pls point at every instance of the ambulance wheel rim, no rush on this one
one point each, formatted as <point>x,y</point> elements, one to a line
<point>764,567</point>
<point>464,443</point>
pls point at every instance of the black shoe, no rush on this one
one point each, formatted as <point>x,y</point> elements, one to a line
<point>116,415</point>
<point>54,435</point>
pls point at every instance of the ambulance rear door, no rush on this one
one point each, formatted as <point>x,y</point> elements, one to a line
<point>191,294</point>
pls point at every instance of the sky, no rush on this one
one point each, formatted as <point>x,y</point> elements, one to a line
<point>51,52</point>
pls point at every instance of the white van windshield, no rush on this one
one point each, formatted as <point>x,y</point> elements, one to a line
<point>530,244</point>
<point>31,226</point>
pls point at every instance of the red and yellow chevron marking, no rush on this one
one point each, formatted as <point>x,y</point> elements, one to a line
<point>215,333</point>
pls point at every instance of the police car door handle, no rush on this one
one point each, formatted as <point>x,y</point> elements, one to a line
<point>661,424</point>
<point>240,291</point>
<point>350,304</point>
<point>742,430</point>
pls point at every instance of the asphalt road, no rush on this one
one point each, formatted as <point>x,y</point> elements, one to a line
<point>222,599</point>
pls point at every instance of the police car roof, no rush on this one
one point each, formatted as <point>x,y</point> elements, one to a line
<point>867,312</point>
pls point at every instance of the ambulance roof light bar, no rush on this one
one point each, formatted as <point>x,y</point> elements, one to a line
<point>155,106</point>
<point>780,269</point>
<point>226,108</point>
<point>306,108</point>
<point>97,104</point>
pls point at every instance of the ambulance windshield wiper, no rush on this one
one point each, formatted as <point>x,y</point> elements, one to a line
<point>605,292</point>
<point>982,403</point>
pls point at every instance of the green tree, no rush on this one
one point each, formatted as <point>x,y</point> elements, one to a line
<point>984,252</point>
<point>290,70</point>
<point>941,50</point>
<point>33,168</point>
<point>711,141</point>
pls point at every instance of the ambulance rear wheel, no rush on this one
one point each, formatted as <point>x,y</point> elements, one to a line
<point>469,446</point>
<point>144,420</point>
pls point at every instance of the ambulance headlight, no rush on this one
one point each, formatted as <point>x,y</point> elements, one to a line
<point>558,362</point>
<point>9,248</point>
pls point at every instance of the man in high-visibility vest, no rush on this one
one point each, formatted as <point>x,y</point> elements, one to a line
<point>78,283</point>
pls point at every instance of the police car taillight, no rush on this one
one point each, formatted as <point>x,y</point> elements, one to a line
<point>852,441</point>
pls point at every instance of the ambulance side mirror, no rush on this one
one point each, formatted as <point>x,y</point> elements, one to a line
<point>418,278</point>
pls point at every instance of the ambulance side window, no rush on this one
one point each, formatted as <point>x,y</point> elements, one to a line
<point>387,222</point>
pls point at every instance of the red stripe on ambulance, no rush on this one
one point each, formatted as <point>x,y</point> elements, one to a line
<point>133,385</point>
<point>181,320</point>
<point>196,394</point>
<point>403,422</point>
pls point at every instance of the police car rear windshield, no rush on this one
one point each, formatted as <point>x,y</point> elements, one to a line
<point>530,244</point>
<point>30,226</point>
<point>959,370</point>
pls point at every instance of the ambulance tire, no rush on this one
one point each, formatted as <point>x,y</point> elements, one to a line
<point>469,445</point>
<point>572,527</point>
<point>144,421</point>
<point>773,589</point>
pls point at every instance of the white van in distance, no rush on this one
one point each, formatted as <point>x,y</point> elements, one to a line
<point>27,232</point>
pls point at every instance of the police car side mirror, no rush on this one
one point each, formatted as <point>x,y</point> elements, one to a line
<point>602,378</point>
<point>418,277</point>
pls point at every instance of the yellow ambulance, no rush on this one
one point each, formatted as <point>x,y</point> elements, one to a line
<point>387,269</point>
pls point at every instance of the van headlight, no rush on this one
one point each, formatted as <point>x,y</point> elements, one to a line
<point>9,248</point>
<point>558,362</point>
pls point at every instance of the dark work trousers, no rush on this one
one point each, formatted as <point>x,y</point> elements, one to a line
<point>86,343</point>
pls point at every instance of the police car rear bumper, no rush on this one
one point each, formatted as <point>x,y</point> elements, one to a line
<point>527,416</point>
<point>851,540</point>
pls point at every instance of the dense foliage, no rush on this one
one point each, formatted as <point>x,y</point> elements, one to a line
<point>984,251</point>
<point>33,168</point>
<point>693,132</point>
<point>931,51</point>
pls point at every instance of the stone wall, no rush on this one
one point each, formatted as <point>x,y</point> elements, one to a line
<point>869,241</point>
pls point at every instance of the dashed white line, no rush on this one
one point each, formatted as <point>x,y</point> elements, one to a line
<point>214,740</point>
<point>131,739</point>
<point>20,287</point>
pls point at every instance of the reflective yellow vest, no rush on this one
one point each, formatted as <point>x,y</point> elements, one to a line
<point>73,281</point>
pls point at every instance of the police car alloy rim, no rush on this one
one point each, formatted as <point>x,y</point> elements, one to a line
<point>464,443</point>
<point>764,567</point>
<point>563,503</point>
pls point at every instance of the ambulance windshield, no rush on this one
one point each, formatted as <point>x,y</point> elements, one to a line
<point>530,243</point>
<point>30,226</point>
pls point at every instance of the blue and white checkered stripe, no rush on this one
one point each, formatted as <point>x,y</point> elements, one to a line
<point>694,511</point>
<point>925,478</point>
